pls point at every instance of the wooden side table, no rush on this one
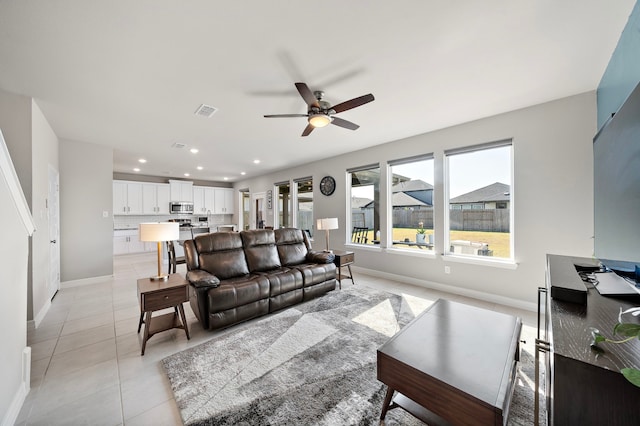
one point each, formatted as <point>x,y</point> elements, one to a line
<point>157,295</point>
<point>343,258</point>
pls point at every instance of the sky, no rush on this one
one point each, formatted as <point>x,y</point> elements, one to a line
<point>467,171</point>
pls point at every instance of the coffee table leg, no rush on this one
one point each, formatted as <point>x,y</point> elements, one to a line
<point>387,401</point>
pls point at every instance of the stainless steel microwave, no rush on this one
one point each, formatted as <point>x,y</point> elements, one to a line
<point>181,207</point>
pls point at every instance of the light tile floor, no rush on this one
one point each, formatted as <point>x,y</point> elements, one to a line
<point>86,364</point>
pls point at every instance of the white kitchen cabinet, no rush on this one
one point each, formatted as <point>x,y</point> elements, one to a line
<point>155,198</point>
<point>128,241</point>
<point>127,197</point>
<point>203,200</point>
<point>223,201</point>
<point>181,190</point>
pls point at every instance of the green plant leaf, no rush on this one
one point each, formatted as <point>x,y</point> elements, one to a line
<point>632,375</point>
<point>627,329</point>
<point>597,337</point>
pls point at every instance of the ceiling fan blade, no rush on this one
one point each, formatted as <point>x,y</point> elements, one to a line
<point>307,95</point>
<point>285,115</point>
<point>308,130</point>
<point>344,123</point>
<point>352,103</point>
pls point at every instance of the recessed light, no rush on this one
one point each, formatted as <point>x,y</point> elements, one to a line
<point>142,160</point>
<point>194,150</point>
<point>243,173</point>
<point>187,174</point>
<point>135,169</point>
<point>256,161</point>
<point>199,167</point>
<point>225,178</point>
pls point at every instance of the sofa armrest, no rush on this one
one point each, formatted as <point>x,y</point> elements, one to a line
<point>320,257</point>
<point>201,279</point>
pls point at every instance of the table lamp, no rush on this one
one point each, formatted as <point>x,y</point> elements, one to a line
<point>326,225</point>
<point>159,232</point>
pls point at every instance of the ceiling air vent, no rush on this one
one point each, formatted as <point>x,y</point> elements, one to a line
<point>178,145</point>
<point>206,111</point>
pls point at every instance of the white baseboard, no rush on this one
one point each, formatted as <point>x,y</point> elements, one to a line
<point>40,316</point>
<point>12,413</point>
<point>487,297</point>
<point>84,281</point>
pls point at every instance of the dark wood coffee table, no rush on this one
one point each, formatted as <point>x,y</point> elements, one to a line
<point>453,364</point>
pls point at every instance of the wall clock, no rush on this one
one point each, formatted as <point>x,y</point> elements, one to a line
<point>327,185</point>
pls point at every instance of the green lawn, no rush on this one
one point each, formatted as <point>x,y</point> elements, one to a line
<point>498,241</point>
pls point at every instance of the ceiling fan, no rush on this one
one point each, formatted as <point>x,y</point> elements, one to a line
<point>320,113</point>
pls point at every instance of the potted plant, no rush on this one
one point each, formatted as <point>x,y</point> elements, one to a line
<point>630,331</point>
<point>420,235</point>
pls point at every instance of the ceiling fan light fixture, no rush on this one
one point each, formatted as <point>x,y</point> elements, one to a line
<point>319,120</point>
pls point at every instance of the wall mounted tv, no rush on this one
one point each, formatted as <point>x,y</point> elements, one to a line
<point>616,157</point>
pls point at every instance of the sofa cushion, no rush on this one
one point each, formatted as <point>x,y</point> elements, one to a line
<point>221,254</point>
<point>292,247</point>
<point>260,250</point>
<point>237,292</point>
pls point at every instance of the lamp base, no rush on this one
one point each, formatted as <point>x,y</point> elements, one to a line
<point>159,278</point>
<point>328,251</point>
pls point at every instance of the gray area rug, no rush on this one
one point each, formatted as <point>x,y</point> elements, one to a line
<point>311,364</point>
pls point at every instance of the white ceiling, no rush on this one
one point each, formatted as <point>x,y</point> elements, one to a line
<point>130,74</point>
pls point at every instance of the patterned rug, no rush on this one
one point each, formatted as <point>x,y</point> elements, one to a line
<point>311,364</point>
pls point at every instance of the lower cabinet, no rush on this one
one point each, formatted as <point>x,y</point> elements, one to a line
<point>128,241</point>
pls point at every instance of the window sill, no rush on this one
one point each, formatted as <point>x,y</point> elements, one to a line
<point>411,252</point>
<point>481,260</point>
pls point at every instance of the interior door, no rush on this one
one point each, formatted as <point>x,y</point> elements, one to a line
<point>259,210</point>
<point>53,211</point>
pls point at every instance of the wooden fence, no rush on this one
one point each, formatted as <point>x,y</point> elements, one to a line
<point>490,220</point>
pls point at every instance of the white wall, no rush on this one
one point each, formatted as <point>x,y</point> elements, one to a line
<point>553,197</point>
<point>33,147</point>
<point>86,247</point>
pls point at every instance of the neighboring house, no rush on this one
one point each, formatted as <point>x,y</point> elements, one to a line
<point>416,194</point>
<point>494,196</point>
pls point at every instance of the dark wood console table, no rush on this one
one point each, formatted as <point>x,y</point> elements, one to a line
<point>585,387</point>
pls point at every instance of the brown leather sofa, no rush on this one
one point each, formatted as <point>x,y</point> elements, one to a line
<point>236,276</point>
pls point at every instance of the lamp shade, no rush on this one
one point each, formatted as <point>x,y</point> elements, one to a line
<point>327,223</point>
<point>159,231</point>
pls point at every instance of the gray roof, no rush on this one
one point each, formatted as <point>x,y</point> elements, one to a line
<point>400,199</point>
<point>411,185</point>
<point>357,202</point>
<point>494,192</point>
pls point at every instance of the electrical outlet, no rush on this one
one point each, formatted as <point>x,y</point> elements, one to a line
<point>447,269</point>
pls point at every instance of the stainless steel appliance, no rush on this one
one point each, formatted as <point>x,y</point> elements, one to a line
<point>181,207</point>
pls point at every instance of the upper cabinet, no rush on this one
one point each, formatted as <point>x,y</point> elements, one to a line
<point>203,200</point>
<point>127,197</point>
<point>181,190</point>
<point>155,198</point>
<point>223,202</point>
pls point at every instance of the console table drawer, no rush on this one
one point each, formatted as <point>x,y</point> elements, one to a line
<point>164,299</point>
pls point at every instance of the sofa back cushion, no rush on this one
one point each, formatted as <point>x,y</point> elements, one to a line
<point>221,254</point>
<point>260,250</point>
<point>292,246</point>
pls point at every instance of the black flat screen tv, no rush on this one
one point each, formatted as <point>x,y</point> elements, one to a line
<point>616,157</point>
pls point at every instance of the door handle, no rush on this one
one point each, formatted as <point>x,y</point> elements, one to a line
<point>53,241</point>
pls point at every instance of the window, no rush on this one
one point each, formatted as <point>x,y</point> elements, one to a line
<point>304,204</point>
<point>364,203</point>
<point>411,203</point>
<point>479,181</point>
<point>283,190</point>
